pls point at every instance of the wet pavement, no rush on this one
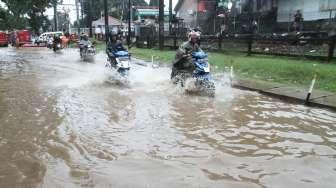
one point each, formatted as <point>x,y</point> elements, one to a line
<point>67,123</point>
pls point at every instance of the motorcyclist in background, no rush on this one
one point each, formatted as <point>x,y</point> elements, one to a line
<point>49,41</point>
<point>183,59</point>
<point>83,42</point>
<point>56,40</point>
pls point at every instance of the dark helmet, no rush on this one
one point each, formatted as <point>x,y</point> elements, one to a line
<point>84,37</point>
<point>113,35</point>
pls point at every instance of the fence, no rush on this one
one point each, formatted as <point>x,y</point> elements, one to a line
<point>309,45</point>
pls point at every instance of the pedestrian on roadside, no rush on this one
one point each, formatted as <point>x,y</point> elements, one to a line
<point>298,19</point>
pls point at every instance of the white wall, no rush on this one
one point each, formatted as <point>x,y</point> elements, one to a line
<point>187,7</point>
<point>311,10</point>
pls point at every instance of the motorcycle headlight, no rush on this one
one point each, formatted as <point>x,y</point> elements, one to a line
<point>124,63</point>
<point>206,69</point>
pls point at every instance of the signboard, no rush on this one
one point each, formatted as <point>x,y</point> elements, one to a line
<point>327,5</point>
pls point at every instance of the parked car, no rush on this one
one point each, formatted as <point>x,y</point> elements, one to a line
<point>43,38</point>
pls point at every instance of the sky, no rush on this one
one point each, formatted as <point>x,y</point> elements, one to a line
<point>72,8</point>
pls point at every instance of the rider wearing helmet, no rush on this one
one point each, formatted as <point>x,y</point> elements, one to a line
<point>114,43</point>
<point>83,41</point>
<point>183,58</point>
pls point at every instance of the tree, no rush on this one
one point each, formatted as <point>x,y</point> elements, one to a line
<point>117,9</point>
<point>29,12</point>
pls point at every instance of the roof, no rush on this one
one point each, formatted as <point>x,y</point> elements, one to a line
<point>111,22</point>
<point>146,7</point>
<point>178,5</point>
<point>151,12</point>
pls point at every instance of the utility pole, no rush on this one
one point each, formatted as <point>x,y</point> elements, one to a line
<point>55,16</point>
<point>161,24</point>
<point>82,13</point>
<point>129,23</point>
<point>170,16</point>
<point>77,11</point>
<point>90,17</point>
<point>106,22</point>
<point>197,9</point>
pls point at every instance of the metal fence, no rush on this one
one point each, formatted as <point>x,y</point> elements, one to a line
<point>309,45</point>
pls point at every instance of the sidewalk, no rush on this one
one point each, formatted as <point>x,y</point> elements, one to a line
<point>289,93</point>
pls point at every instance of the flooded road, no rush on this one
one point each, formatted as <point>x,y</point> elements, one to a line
<point>64,124</point>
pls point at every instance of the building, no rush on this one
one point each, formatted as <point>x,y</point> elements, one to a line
<point>270,15</point>
<point>148,16</point>
<point>197,13</point>
<point>114,24</point>
<point>278,15</point>
<point>312,10</point>
<point>149,12</point>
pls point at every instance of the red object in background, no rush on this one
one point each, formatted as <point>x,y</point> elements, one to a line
<point>24,37</point>
<point>3,39</point>
<point>73,37</point>
<point>202,6</point>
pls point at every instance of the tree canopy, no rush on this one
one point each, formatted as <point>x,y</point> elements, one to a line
<point>22,14</point>
<point>154,3</point>
<point>117,9</point>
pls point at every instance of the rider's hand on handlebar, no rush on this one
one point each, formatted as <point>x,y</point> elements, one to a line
<point>186,56</point>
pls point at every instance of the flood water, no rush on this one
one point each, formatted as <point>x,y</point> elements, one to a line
<point>63,123</point>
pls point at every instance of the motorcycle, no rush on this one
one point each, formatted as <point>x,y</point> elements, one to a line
<point>201,78</point>
<point>121,61</point>
<point>57,46</point>
<point>87,51</point>
<point>49,43</point>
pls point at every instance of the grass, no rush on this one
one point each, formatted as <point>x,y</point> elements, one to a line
<point>292,71</point>
<point>100,45</point>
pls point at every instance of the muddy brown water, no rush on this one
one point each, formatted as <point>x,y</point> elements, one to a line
<point>64,124</point>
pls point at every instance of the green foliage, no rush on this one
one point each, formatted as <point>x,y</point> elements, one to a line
<point>21,14</point>
<point>117,9</point>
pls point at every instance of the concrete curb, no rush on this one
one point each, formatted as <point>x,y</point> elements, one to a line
<point>290,94</point>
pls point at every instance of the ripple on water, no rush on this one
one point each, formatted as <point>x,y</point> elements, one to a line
<point>158,135</point>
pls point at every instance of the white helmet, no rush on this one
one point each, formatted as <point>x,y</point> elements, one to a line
<point>194,35</point>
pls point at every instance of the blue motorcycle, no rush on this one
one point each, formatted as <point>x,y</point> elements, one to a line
<point>201,76</point>
<point>121,61</point>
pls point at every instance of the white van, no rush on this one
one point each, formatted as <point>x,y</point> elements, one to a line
<point>43,38</point>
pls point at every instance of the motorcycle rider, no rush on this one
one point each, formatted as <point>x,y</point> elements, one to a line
<point>114,45</point>
<point>183,59</point>
<point>49,41</point>
<point>83,42</point>
<point>56,40</point>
